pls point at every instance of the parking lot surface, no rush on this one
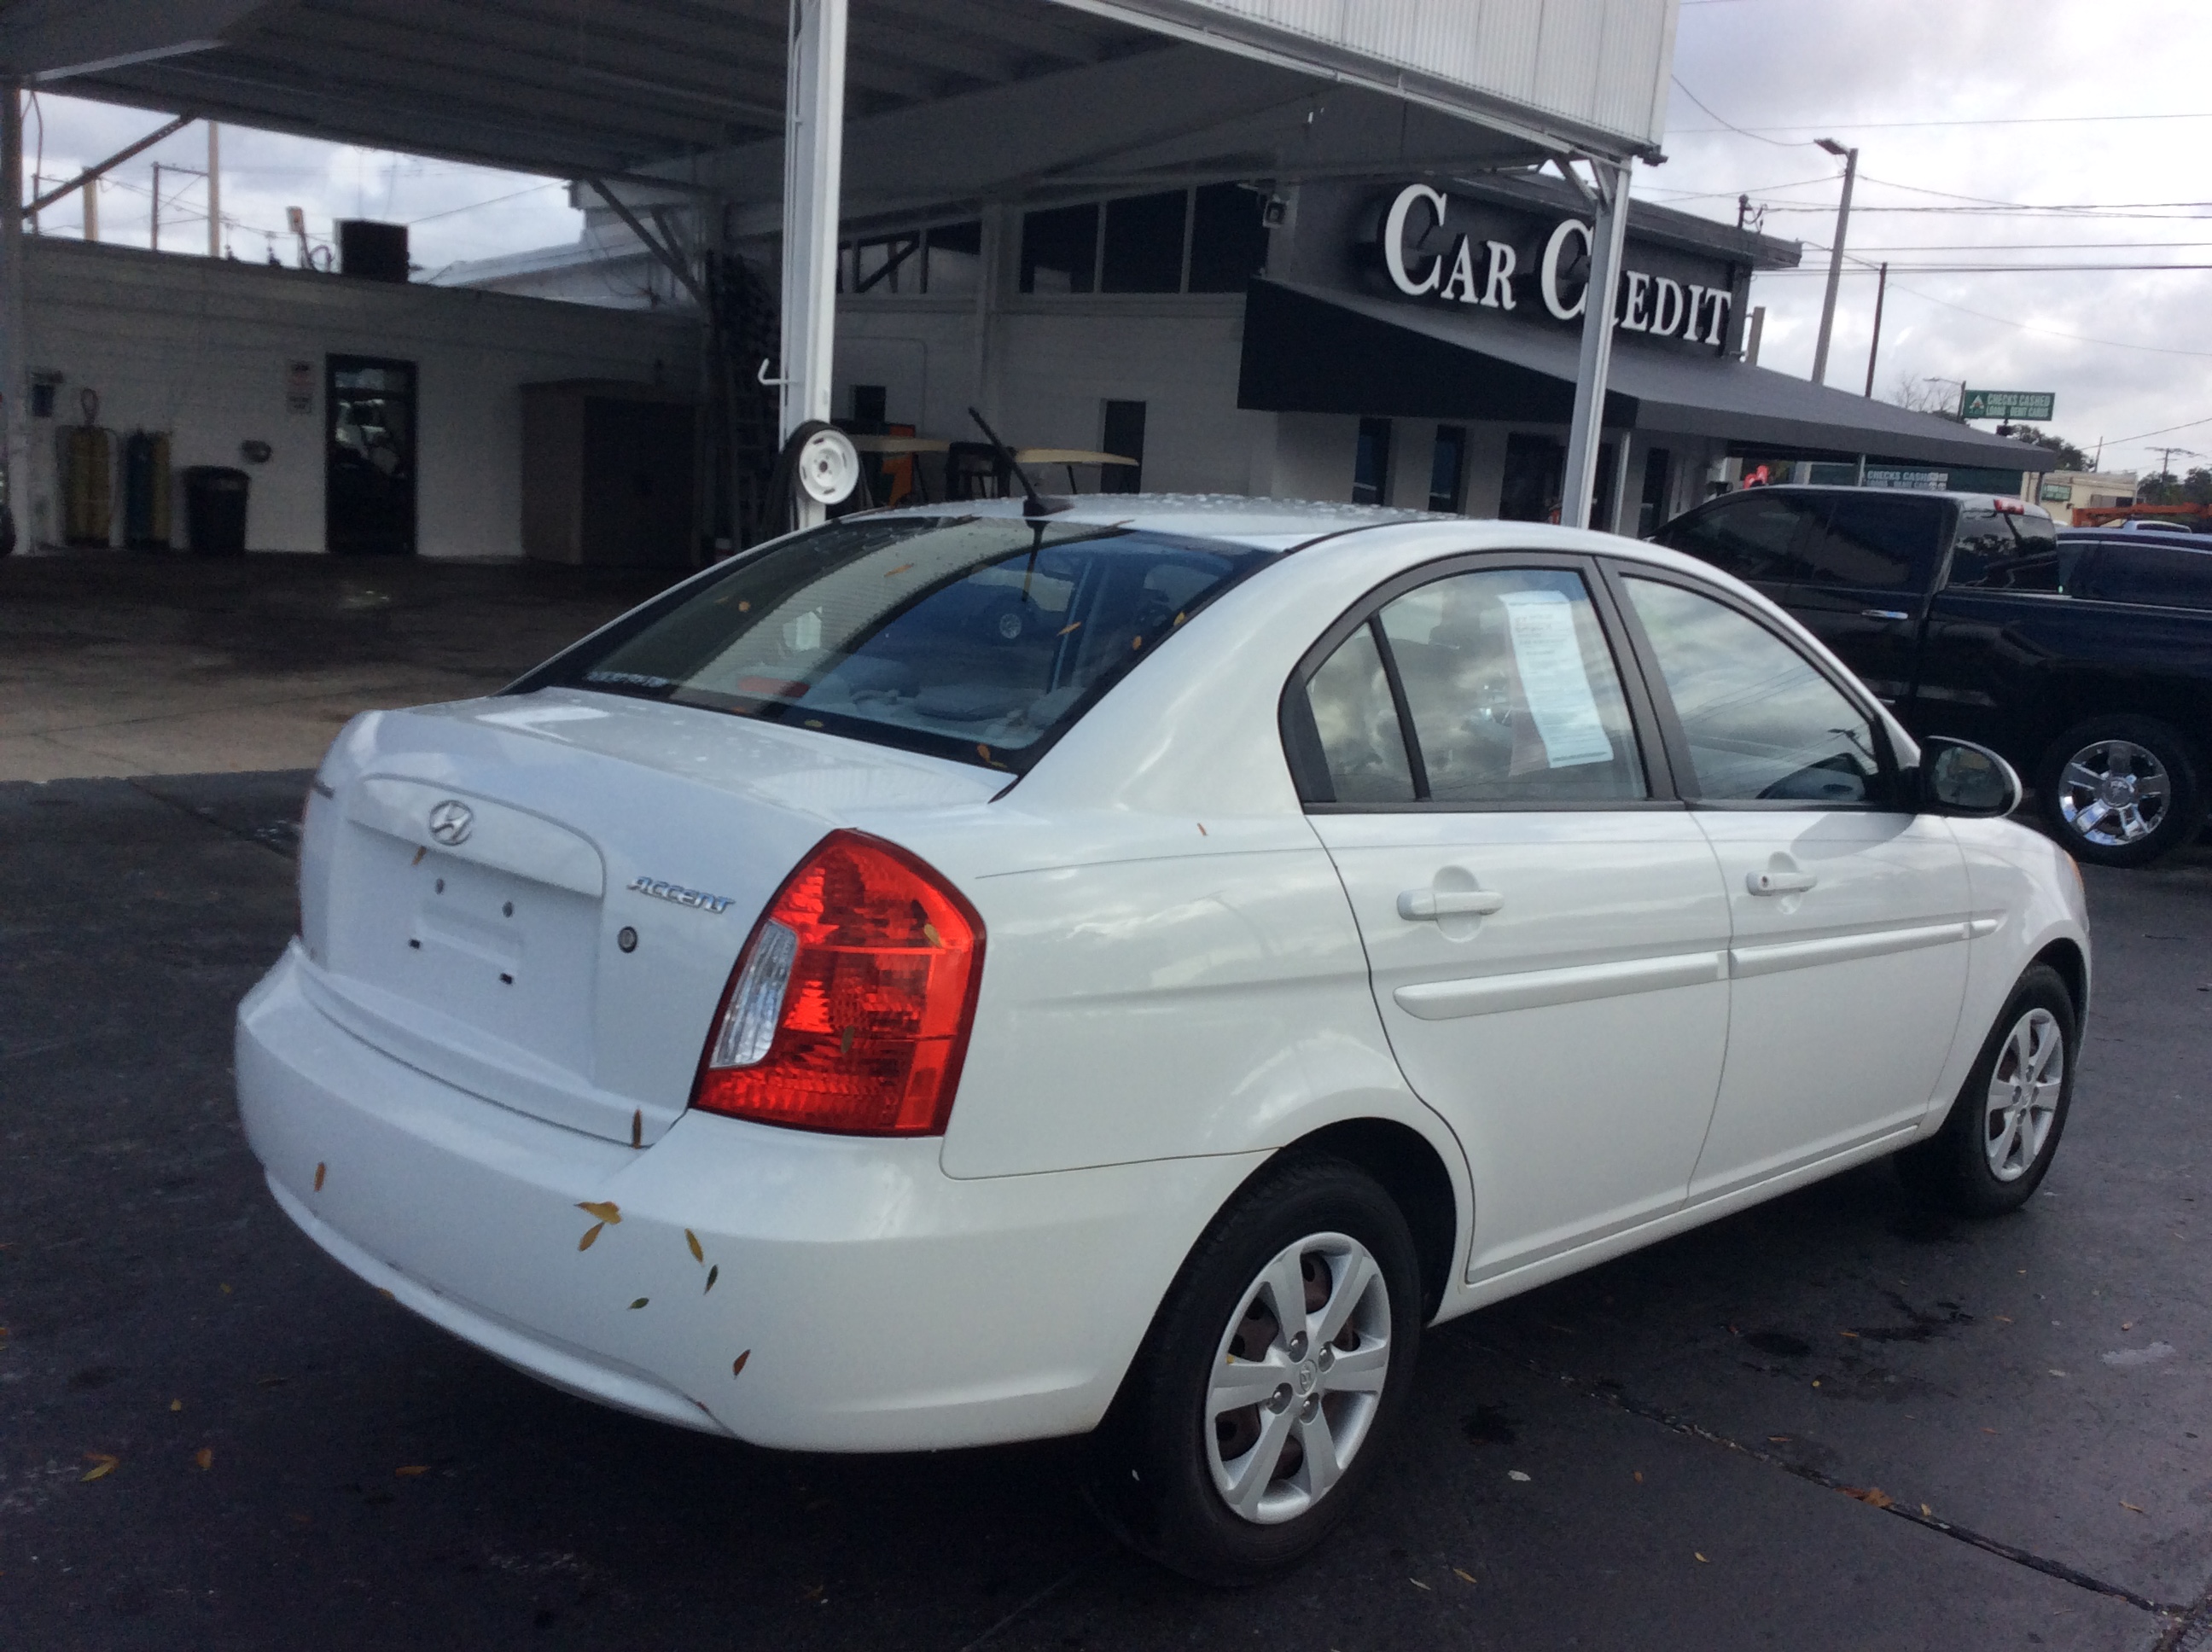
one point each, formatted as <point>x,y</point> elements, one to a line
<point>1829,1423</point>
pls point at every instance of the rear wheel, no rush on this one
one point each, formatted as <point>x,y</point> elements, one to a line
<point>1993,1150</point>
<point>1254,1412</point>
<point>2121,790</point>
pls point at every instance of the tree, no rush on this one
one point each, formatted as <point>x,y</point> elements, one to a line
<point>1936,396</point>
<point>2159,487</point>
<point>2070,458</point>
<point>2197,486</point>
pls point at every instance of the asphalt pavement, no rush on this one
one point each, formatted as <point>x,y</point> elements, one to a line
<point>1829,1423</point>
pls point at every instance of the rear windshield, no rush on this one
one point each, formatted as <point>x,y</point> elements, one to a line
<point>978,638</point>
<point>2007,550</point>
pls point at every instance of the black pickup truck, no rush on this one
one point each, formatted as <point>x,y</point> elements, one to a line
<point>2084,656</point>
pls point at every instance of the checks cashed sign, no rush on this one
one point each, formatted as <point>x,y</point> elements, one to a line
<point>1510,262</point>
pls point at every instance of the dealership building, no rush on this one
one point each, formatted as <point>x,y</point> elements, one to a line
<point>1254,248</point>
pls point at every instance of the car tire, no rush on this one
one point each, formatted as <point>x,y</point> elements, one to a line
<point>2121,790</point>
<point>1176,1470</point>
<point>1997,1145</point>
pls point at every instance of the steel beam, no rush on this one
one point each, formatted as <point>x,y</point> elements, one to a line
<point>814,145</point>
<point>14,411</point>
<point>1587,432</point>
<point>106,166</point>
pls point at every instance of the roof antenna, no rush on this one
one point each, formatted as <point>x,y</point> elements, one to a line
<point>1032,503</point>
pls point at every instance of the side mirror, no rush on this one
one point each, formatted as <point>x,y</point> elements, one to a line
<point>1958,777</point>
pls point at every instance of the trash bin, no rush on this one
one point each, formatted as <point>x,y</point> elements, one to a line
<point>215,510</point>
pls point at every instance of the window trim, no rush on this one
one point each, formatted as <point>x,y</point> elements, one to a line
<point>1301,747</point>
<point>1676,738</point>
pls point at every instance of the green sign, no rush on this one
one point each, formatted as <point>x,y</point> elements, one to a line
<point>2030,404</point>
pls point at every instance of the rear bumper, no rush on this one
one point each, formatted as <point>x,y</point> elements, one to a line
<point>878,1303</point>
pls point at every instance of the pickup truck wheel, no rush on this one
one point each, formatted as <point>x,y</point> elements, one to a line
<point>1256,1409</point>
<point>1993,1150</point>
<point>2121,790</point>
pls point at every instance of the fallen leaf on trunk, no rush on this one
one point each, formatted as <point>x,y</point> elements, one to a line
<point>320,1171</point>
<point>637,1127</point>
<point>737,1366</point>
<point>204,1457</point>
<point>2125,1504</point>
<point>713,1274</point>
<point>1873,1495</point>
<point>640,1302</point>
<point>176,1405</point>
<point>590,1234</point>
<point>102,1467</point>
<point>413,1471</point>
<point>605,1209</point>
<point>692,1240</point>
<point>1467,1577</point>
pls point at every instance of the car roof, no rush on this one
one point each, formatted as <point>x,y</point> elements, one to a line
<point>2003,501</point>
<point>1263,524</point>
<point>2183,538</point>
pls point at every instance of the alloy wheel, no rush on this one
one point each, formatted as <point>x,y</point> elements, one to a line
<point>2114,792</point>
<point>1297,1378</point>
<point>2023,1098</point>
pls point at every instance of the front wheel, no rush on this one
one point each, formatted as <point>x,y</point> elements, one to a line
<point>1993,1152</point>
<point>1256,1410</point>
<point>2121,790</point>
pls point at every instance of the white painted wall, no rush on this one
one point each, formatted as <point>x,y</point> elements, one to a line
<point>198,347</point>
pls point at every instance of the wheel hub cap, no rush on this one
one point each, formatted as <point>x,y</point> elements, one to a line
<point>1307,1377</point>
<point>2119,790</point>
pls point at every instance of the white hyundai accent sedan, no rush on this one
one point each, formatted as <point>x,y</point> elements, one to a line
<point>952,977</point>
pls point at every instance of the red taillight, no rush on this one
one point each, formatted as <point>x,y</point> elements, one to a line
<point>849,1008</point>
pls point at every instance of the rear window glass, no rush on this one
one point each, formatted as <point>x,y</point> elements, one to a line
<point>1876,541</point>
<point>1755,536</point>
<point>976,638</point>
<point>2007,550</point>
<point>2143,571</point>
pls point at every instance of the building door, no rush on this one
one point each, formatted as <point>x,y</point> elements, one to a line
<point>1536,472</point>
<point>368,457</point>
<point>1123,432</point>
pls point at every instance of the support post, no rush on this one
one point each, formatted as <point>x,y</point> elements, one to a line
<point>1587,431</point>
<point>1874,349</point>
<point>14,408</point>
<point>156,241</point>
<point>215,190</point>
<point>813,166</point>
<point>1851,158</point>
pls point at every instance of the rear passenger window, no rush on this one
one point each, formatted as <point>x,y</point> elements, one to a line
<point>1357,719</point>
<point>2165,576</point>
<point>1876,541</point>
<point>1511,687</point>
<point>1755,536</point>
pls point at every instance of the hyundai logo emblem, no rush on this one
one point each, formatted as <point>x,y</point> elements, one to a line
<point>450,822</point>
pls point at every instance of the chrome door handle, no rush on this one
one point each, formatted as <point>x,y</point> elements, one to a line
<point>1884,614</point>
<point>1779,882</point>
<point>1416,905</point>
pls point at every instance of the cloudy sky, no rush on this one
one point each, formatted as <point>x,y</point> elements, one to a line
<point>2015,133</point>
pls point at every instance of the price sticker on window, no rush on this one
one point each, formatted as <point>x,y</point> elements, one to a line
<point>1553,678</point>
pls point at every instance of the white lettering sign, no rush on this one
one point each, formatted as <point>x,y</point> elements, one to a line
<point>1659,306</point>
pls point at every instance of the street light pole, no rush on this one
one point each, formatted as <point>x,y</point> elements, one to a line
<point>1880,293</point>
<point>1851,159</point>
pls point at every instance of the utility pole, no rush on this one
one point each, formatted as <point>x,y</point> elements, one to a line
<point>1851,159</point>
<point>215,191</point>
<point>1880,292</point>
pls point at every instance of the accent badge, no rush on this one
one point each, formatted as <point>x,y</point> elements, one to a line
<point>451,822</point>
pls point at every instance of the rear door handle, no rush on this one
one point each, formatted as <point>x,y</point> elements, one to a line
<point>1779,882</point>
<point>1416,905</point>
<point>1884,614</point>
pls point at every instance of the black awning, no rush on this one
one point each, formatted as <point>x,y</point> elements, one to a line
<point>1311,349</point>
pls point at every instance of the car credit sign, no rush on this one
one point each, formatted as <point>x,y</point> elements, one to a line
<point>2032,404</point>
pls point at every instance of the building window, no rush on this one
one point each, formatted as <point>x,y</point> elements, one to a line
<point>1228,238</point>
<point>1370,466</point>
<point>955,259</point>
<point>1535,466</point>
<point>869,407</point>
<point>1060,249</point>
<point>888,264</point>
<point>1144,243</point>
<point>1651,513</point>
<point>1124,433</point>
<point>1447,469</point>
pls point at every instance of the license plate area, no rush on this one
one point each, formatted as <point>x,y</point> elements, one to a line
<point>503,953</point>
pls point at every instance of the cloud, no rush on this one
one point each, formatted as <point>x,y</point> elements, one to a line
<point>1984,77</point>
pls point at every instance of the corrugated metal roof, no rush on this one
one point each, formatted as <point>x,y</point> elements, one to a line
<point>617,85</point>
